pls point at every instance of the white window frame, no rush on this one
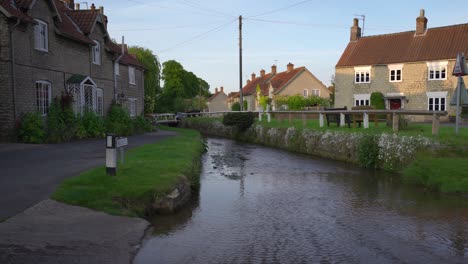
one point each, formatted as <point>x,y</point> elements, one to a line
<point>316,92</point>
<point>362,74</point>
<point>117,68</point>
<point>96,53</point>
<point>99,101</point>
<point>305,93</point>
<point>393,70</point>
<point>437,70</point>
<point>132,107</point>
<point>43,102</point>
<point>361,99</point>
<point>438,102</point>
<point>131,75</point>
<point>41,35</point>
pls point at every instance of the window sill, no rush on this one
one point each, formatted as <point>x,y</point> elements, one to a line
<point>42,50</point>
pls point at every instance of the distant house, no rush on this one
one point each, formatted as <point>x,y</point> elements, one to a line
<point>411,69</point>
<point>52,47</point>
<point>233,97</point>
<point>218,101</point>
<point>293,81</point>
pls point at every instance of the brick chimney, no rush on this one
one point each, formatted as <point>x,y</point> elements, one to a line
<point>222,89</point>
<point>421,23</point>
<point>262,73</point>
<point>273,69</point>
<point>253,76</point>
<point>248,81</point>
<point>216,90</point>
<point>290,67</point>
<point>70,3</point>
<point>93,7</point>
<point>355,30</point>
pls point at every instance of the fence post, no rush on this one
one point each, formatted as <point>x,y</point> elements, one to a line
<point>321,120</point>
<point>395,122</point>
<point>304,119</point>
<point>435,124</point>
<point>342,120</point>
<point>260,116</point>
<point>366,120</point>
<point>269,117</point>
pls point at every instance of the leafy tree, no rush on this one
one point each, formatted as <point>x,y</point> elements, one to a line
<point>152,75</point>
<point>179,85</point>
<point>377,100</point>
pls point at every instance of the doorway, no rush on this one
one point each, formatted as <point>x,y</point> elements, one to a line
<point>395,104</point>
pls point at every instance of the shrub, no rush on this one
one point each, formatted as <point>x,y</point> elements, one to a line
<point>242,120</point>
<point>235,106</point>
<point>31,129</point>
<point>118,121</point>
<point>55,124</point>
<point>141,125</point>
<point>368,151</point>
<point>377,100</point>
<point>93,125</point>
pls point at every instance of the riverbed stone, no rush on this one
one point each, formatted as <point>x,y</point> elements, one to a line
<point>53,232</point>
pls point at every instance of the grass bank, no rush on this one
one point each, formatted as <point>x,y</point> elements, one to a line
<point>150,172</point>
<point>438,163</point>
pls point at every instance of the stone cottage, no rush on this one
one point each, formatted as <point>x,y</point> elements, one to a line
<point>52,47</point>
<point>218,101</point>
<point>293,81</point>
<point>412,69</point>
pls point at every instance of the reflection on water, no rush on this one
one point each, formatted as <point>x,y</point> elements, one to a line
<point>260,205</point>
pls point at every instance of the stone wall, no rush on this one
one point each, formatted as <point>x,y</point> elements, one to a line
<point>6,92</point>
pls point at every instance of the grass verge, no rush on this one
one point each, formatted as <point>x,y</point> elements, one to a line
<point>149,172</point>
<point>446,174</point>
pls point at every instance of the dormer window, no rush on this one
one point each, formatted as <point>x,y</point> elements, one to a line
<point>41,36</point>
<point>437,70</point>
<point>96,53</point>
<point>362,74</point>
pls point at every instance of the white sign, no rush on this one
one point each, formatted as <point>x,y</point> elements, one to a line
<point>120,142</point>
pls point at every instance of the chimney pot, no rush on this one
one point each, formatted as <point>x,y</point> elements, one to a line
<point>273,69</point>
<point>77,6</point>
<point>253,76</point>
<point>248,81</point>
<point>421,23</point>
<point>355,30</point>
<point>262,73</point>
<point>93,7</point>
<point>222,89</point>
<point>216,90</point>
<point>101,9</point>
<point>290,67</point>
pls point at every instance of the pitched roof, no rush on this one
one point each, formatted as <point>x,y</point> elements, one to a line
<point>13,9</point>
<point>84,19</point>
<point>440,43</point>
<point>68,27</point>
<point>215,95</point>
<point>251,87</point>
<point>130,59</point>
<point>278,81</point>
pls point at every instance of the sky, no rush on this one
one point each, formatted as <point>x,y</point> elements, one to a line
<point>203,35</point>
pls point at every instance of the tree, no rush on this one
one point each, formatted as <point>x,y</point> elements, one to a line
<point>152,75</point>
<point>332,90</point>
<point>179,85</point>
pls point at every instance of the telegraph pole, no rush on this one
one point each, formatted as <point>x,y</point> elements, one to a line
<point>241,101</point>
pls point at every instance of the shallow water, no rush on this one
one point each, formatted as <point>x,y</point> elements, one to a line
<point>261,205</point>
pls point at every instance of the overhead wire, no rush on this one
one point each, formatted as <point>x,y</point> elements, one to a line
<point>201,35</point>
<point>280,9</point>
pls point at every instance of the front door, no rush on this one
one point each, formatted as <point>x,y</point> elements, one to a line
<point>395,104</point>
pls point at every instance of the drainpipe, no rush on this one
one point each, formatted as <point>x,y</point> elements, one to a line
<point>115,73</point>
<point>13,62</point>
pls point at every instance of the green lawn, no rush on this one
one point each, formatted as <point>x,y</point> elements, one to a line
<point>149,171</point>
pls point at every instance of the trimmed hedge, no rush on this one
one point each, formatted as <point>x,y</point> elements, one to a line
<point>242,120</point>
